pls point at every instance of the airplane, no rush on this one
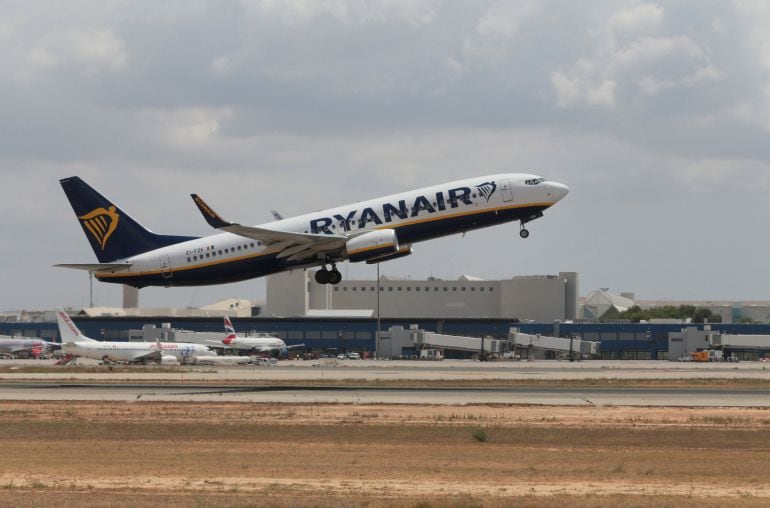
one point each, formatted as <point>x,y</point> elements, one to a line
<point>77,344</point>
<point>262,344</point>
<point>371,231</point>
<point>23,345</point>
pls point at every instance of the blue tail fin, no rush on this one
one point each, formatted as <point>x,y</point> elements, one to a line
<point>113,234</point>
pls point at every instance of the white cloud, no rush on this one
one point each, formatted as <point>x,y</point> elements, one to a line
<point>583,86</point>
<point>186,127</point>
<point>651,49</point>
<point>636,20</point>
<point>504,19</point>
<point>88,52</point>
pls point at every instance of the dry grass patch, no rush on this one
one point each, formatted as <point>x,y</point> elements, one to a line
<point>380,455</point>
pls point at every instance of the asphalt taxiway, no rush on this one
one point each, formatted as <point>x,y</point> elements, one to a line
<point>349,382</point>
<point>552,396</point>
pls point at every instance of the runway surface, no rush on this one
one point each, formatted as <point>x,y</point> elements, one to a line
<point>557,396</point>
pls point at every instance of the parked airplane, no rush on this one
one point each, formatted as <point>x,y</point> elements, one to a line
<point>371,231</point>
<point>77,344</point>
<point>23,345</point>
<point>256,344</point>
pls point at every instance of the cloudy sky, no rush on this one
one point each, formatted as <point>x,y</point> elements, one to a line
<point>657,115</point>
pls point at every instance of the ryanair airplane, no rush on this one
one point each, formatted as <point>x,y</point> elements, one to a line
<point>371,231</point>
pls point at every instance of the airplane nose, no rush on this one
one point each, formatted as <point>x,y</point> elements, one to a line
<point>557,190</point>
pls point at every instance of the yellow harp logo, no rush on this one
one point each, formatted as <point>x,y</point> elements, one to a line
<point>101,223</point>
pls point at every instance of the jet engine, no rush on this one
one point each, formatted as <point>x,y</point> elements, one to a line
<point>403,251</point>
<point>372,245</point>
<point>168,360</point>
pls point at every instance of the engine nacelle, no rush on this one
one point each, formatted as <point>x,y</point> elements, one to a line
<point>168,360</point>
<point>371,245</point>
<point>403,251</point>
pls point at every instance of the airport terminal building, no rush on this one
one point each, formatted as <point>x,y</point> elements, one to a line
<point>344,317</point>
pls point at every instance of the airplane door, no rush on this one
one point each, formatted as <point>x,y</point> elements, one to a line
<point>165,267</point>
<point>506,191</point>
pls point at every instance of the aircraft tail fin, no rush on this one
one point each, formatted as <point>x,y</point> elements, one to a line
<point>67,329</point>
<point>113,234</point>
<point>229,331</point>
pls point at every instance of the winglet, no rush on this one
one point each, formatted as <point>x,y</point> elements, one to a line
<point>210,215</point>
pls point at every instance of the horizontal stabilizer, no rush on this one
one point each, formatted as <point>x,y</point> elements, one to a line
<point>97,267</point>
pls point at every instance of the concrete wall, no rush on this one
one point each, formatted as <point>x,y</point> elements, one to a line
<point>287,294</point>
<point>540,299</point>
<point>535,298</point>
<point>687,341</point>
<point>414,299</point>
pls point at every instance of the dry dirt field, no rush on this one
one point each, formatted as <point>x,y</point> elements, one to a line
<point>141,454</point>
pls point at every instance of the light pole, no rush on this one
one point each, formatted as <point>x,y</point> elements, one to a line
<point>377,336</point>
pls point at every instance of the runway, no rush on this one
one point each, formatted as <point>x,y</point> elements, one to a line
<point>555,396</point>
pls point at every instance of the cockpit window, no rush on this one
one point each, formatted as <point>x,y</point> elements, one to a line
<point>534,181</point>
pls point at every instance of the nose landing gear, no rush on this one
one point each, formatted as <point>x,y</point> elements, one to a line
<point>524,233</point>
<point>324,276</point>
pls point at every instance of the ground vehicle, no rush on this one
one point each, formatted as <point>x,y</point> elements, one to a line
<point>354,356</point>
<point>431,354</point>
<point>262,361</point>
<point>708,355</point>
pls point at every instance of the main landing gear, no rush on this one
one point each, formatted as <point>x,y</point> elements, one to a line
<point>524,233</point>
<point>324,276</point>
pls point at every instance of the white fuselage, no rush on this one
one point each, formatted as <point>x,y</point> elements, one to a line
<point>12,345</point>
<point>263,344</point>
<point>415,216</point>
<point>135,351</point>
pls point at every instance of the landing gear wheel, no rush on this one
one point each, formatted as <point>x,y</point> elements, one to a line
<point>323,276</point>
<point>335,277</point>
<point>524,233</point>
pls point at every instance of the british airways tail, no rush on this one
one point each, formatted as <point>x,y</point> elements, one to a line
<point>229,331</point>
<point>113,234</point>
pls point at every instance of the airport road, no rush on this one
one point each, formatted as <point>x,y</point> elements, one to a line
<point>552,396</point>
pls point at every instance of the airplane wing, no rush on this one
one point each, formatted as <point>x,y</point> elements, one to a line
<point>291,245</point>
<point>295,346</point>
<point>97,267</point>
<point>152,355</point>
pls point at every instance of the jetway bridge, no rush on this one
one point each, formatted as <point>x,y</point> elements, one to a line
<point>398,341</point>
<point>536,344</point>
